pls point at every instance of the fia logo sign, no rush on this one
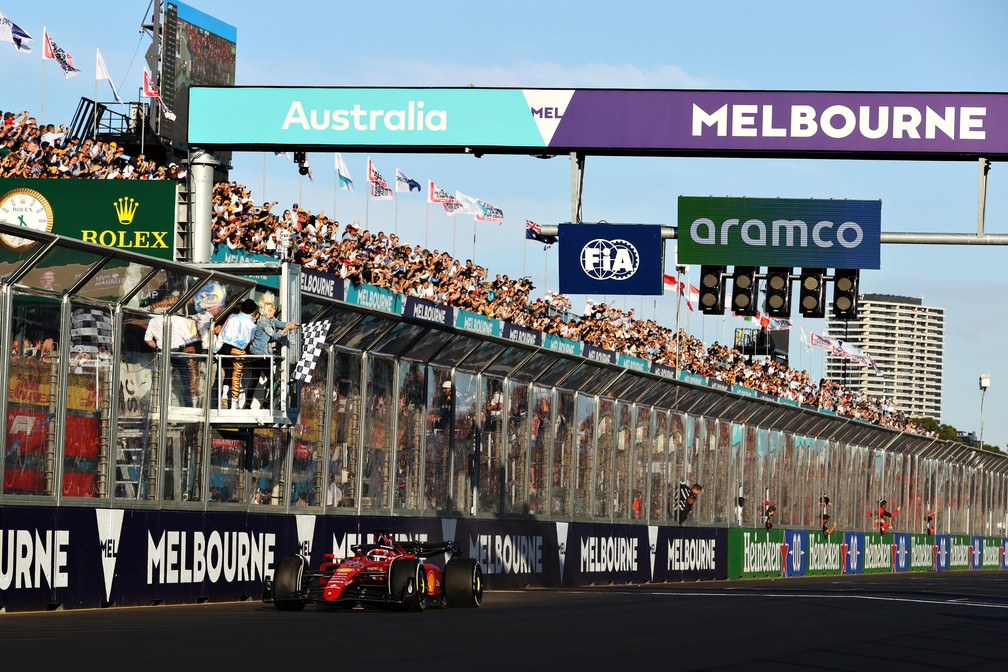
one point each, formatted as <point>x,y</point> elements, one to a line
<point>609,259</point>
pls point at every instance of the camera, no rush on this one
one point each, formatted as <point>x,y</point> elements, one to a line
<point>301,159</point>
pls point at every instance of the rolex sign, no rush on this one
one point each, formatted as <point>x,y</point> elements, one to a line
<point>601,259</point>
<point>134,215</point>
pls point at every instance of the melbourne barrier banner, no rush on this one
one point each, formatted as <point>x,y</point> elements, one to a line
<point>618,121</point>
<point>134,215</point>
<point>428,311</point>
<point>780,232</point>
<point>562,345</point>
<point>598,354</point>
<point>480,324</point>
<point>375,298</point>
<point>322,284</point>
<point>522,335</point>
<point>635,363</point>
<point>613,259</point>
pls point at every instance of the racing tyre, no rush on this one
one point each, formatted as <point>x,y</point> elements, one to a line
<point>408,582</point>
<point>463,583</point>
<point>287,582</point>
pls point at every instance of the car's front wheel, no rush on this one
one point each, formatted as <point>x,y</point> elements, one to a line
<point>463,583</point>
<point>408,582</point>
<point>287,595</point>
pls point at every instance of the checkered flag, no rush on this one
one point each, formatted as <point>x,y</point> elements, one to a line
<point>89,327</point>
<point>313,336</point>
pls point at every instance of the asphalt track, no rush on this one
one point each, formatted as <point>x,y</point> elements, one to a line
<point>947,621</point>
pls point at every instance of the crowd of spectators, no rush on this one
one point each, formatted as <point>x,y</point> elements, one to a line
<point>360,256</point>
<point>356,255</point>
<point>28,149</point>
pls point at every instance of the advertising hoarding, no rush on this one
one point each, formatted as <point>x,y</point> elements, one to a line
<point>620,259</point>
<point>803,124</point>
<point>134,215</point>
<point>812,233</point>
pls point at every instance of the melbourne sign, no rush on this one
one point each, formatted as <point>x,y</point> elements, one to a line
<point>610,259</point>
<point>134,215</point>
<point>805,124</point>
<point>779,232</point>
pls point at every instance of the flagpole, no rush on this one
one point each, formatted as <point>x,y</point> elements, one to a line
<point>678,340</point>
<point>395,197</point>
<point>45,37</point>
<point>143,125</point>
<point>367,207</point>
<point>524,257</point>
<point>545,268</point>
<point>94,135</point>
<point>474,238</point>
<point>426,227</point>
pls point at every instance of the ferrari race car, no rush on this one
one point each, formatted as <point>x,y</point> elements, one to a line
<point>389,572</point>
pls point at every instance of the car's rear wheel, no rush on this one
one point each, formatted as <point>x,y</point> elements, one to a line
<point>408,582</point>
<point>287,584</point>
<point>463,583</point>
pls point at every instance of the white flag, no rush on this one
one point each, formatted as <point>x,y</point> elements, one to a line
<point>343,173</point>
<point>15,34</point>
<point>101,72</point>
<point>469,204</point>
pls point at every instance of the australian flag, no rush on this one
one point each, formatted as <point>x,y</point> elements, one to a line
<point>533,232</point>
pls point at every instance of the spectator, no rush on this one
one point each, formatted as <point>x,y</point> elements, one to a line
<point>883,517</point>
<point>269,331</point>
<point>184,341</point>
<point>768,515</point>
<point>235,336</point>
<point>687,499</point>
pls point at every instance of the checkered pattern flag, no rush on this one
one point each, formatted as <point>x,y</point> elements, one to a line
<point>313,336</point>
<point>91,326</point>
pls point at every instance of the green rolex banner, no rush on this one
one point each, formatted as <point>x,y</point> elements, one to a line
<point>134,215</point>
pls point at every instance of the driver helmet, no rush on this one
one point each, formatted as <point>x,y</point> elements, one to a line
<point>377,554</point>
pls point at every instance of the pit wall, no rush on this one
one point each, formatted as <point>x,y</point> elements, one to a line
<point>72,558</point>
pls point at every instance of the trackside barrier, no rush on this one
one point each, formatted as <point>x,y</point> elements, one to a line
<point>83,558</point>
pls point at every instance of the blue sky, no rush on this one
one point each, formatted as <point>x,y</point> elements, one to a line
<point>851,46</point>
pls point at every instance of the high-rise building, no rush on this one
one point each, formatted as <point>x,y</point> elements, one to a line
<point>907,341</point>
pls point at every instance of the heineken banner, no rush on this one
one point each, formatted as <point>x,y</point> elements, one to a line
<point>134,215</point>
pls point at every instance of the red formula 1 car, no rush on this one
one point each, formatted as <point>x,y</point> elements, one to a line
<point>389,572</point>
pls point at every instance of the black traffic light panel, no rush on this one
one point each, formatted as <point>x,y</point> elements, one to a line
<point>812,292</point>
<point>845,293</point>
<point>744,290</point>
<point>712,290</point>
<point>778,292</point>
